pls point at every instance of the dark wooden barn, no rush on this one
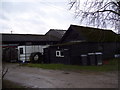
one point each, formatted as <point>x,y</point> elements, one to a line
<point>79,41</point>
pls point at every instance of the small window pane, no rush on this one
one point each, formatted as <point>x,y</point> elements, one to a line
<point>62,54</point>
<point>21,50</point>
<point>57,53</point>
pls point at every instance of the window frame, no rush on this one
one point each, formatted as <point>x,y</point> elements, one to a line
<point>58,53</point>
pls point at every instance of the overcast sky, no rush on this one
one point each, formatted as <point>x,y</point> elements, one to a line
<point>35,16</point>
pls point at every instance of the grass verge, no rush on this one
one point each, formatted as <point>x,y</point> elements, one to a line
<point>111,66</point>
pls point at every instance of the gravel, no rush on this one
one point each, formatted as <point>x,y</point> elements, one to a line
<point>43,78</point>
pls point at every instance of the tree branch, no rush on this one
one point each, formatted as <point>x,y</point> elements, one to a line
<point>72,4</point>
<point>4,73</point>
<point>109,11</point>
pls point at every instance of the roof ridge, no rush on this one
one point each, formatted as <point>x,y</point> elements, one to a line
<point>91,28</point>
<point>57,30</point>
<point>23,34</point>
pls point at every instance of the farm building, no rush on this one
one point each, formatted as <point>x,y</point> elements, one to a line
<point>11,42</point>
<point>83,43</point>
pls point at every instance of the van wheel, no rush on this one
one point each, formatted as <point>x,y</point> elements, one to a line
<point>36,57</point>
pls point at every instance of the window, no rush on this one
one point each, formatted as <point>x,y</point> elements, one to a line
<point>62,53</point>
<point>59,54</point>
<point>21,50</point>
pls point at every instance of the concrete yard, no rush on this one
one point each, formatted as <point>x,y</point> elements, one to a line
<point>43,78</point>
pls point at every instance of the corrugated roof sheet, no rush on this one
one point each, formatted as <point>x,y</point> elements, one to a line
<point>27,37</point>
<point>56,33</point>
<point>95,34</point>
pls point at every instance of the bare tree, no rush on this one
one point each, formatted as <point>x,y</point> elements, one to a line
<point>98,13</point>
<point>4,70</point>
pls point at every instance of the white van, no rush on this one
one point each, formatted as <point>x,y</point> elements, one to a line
<point>24,52</point>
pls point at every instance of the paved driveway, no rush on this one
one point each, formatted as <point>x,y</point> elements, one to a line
<point>42,78</point>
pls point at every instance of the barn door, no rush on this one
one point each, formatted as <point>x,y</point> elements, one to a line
<point>67,56</point>
<point>10,54</point>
